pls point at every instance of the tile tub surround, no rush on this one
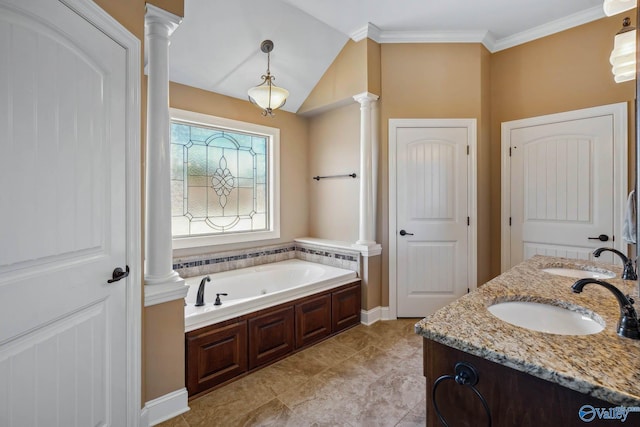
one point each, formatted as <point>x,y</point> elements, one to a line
<point>198,265</point>
<point>602,365</point>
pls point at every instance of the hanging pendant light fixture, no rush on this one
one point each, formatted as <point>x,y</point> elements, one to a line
<point>623,56</point>
<point>613,7</point>
<point>267,95</point>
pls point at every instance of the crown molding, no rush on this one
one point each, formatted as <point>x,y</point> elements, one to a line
<point>368,31</point>
<point>549,28</point>
<point>485,37</point>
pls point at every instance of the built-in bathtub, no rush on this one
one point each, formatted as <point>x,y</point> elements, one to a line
<point>255,288</point>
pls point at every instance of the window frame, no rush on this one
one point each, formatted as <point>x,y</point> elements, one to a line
<point>273,175</point>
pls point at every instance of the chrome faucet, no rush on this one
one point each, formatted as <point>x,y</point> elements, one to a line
<point>629,273</point>
<point>200,296</point>
<point>628,323</point>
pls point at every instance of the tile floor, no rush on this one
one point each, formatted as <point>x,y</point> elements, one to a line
<point>366,376</point>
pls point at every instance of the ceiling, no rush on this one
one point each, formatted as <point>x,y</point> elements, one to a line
<point>217,45</point>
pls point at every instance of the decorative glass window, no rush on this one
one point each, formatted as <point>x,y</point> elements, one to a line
<point>224,180</point>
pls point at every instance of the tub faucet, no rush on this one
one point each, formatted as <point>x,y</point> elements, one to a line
<point>628,323</point>
<point>629,273</point>
<point>200,297</point>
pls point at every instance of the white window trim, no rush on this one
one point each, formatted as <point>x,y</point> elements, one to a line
<point>273,134</point>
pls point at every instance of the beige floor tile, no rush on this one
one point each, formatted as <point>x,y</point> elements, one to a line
<point>417,417</point>
<point>272,413</point>
<point>174,422</point>
<point>357,338</point>
<point>330,352</point>
<point>365,376</point>
<point>228,402</point>
<point>383,408</point>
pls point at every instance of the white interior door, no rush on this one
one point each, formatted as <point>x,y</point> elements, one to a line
<point>432,245</point>
<point>564,193</point>
<point>63,328</point>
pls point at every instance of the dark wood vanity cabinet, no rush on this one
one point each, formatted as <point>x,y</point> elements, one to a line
<point>270,336</point>
<point>345,308</point>
<point>215,354</point>
<point>313,320</point>
<point>221,352</point>
<point>513,398</point>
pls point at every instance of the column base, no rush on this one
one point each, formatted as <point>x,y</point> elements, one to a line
<point>159,290</point>
<point>368,248</point>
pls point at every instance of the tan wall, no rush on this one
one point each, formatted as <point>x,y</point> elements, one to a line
<point>424,81</point>
<point>334,149</point>
<point>294,174</point>
<point>164,341</point>
<point>565,71</point>
<point>374,76</point>
<point>484,273</point>
<point>345,77</point>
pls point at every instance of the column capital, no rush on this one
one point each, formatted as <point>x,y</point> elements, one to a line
<point>156,15</point>
<point>365,97</point>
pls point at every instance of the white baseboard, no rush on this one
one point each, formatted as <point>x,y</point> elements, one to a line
<point>369,317</point>
<point>164,407</point>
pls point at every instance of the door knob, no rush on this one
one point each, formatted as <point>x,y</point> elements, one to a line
<point>118,274</point>
<point>404,233</point>
<point>602,238</point>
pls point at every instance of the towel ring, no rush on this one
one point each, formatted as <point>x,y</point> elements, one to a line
<point>466,375</point>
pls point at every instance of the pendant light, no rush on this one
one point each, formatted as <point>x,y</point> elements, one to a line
<point>267,95</point>
<point>613,7</point>
<point>623,56</point>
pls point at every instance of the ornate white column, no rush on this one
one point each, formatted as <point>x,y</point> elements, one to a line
<point>159,25</point>
<point>369,142</point>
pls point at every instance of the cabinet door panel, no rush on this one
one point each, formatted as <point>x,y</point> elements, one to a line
<point>345,307</point>
<point>270,336</point>
<point>313,320</point>
<point>216,355</point>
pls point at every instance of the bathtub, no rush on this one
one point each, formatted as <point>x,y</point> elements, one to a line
<point>255,288</point>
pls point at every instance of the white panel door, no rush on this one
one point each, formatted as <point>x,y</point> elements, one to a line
<point>62,191</point>
<point>432,210</point>
<point>562,188</point>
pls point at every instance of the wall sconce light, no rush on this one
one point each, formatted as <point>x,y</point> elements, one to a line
<point>613,7</point>
<point>623,56</point>
<point>267,95</point>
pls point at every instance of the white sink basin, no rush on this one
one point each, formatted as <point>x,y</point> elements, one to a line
<point>579,273</point>
<point>545,318</point>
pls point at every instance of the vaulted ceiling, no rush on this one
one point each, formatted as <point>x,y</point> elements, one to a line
<point>217,45</point>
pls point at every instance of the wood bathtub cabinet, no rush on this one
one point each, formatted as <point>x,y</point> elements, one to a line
<point>313,320</point>
<point>270,336</point>
<point>514,398</point>
<point>345,307</point>
<point>224,351</point>
<point>215,354</point>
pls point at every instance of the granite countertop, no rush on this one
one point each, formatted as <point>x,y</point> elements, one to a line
<point>602,365</point>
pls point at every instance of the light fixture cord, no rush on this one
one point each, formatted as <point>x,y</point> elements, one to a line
<point>269,76</point>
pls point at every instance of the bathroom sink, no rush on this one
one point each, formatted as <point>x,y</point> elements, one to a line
<point>579,273</point>
<point>546,318</point>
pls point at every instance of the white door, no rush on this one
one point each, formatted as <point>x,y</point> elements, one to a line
<point>565,198</point>
<point>431,230</point>
<point>63,349</point>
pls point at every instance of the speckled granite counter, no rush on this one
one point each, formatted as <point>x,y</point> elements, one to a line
<point>602,365</point>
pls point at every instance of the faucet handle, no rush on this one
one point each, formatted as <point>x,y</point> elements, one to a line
<point>218,302</point>
<point>631,300</point>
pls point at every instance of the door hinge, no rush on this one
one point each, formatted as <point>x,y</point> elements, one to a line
<point>467,150</point>
<point>468,221</point>
<point>468,290</point>
<point>509,221</point>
